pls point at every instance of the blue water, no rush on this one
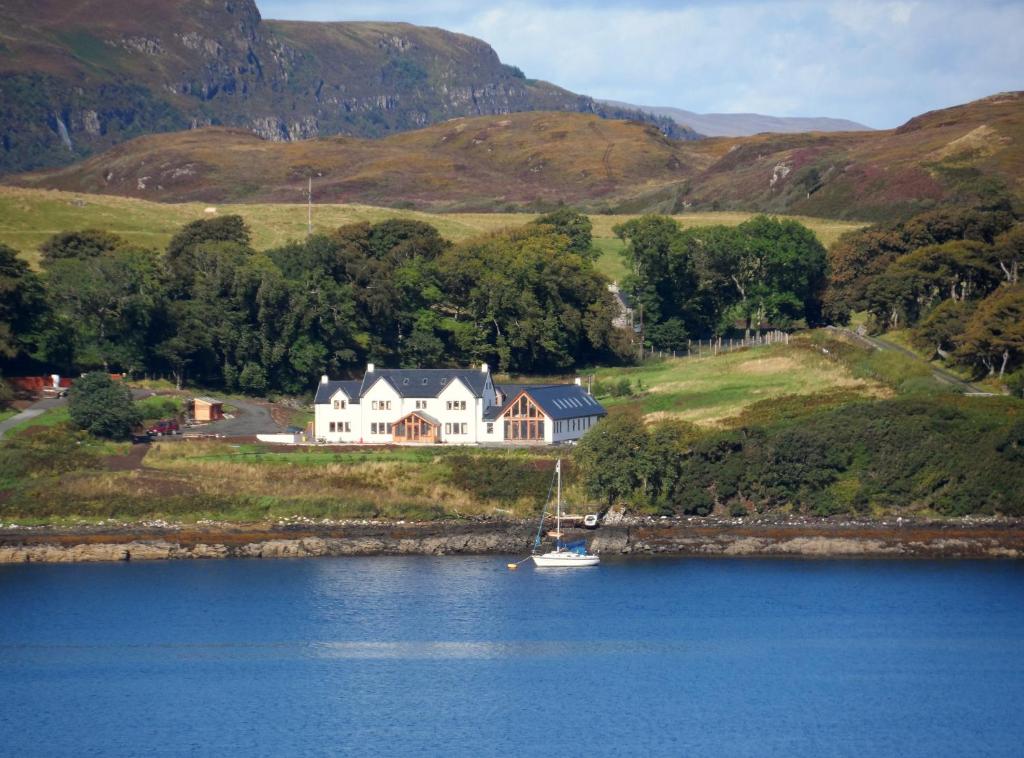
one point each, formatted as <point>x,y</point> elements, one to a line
<point>458,656</point>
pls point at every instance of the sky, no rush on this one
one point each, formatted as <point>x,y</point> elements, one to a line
<point>878,62</point>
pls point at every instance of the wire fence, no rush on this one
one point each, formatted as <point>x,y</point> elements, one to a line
<point>720,345</point>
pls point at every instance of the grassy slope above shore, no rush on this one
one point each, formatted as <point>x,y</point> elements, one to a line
<point>29,217</point>
<point>890,439</point>
<point>188,480</point>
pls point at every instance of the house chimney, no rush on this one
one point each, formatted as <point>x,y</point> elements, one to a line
<point>369,368</point>
<point>324,379</point>
<point>484,368</point>
<point>578,382</point>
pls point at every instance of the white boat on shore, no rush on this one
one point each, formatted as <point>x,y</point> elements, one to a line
<point>565,554</point>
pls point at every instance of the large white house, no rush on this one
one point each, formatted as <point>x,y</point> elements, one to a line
<point>455,406</point>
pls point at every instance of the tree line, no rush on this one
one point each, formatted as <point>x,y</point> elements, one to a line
<point>953,456</point>
<point>952,277</point>
<point>704,281</point>
<point>213,311</point>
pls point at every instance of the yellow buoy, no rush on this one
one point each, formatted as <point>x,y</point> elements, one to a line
<point>513,566</point>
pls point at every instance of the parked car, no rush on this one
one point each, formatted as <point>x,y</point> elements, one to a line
<point>590,521</point>
<point>164,426</point>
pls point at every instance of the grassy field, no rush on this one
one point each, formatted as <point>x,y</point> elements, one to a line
<point>28,217</point>
<point>710,391</point>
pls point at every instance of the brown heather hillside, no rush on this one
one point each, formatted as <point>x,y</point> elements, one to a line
<point>517,159</point>
<point>77,76</point>
<point>970,154</point>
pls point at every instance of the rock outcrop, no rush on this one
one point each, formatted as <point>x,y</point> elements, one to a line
<point>241,541</point>
<point>78,77</point>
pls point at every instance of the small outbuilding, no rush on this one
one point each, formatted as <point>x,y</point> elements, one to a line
<point>207,409</point>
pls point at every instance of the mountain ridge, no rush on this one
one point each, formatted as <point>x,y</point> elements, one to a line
<point>78,76</point>
<point>746,124</point>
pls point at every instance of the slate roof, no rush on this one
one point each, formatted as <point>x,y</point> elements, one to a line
<point>558,401</point>
<point>562,401</point>
<point>425,382</point>
<point>325,391</point>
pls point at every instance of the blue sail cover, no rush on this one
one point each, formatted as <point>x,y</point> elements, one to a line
<point>579,546</point>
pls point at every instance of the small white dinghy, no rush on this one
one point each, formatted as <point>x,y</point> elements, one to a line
<point>565,555</point>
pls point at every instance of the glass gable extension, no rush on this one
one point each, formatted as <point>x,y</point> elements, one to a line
<point>524,421</point>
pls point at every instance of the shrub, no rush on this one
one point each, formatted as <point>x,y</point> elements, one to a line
<point>622,388</point>
<point>103,407</point>
<point>51,450</point>
<point>1015,384</point>
<point>504,479</point>
<point>159,406</point>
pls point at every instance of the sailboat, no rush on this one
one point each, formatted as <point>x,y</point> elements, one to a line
<point>565,555</point>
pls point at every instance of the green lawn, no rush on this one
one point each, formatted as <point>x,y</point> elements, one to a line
<point>610,263</point>
<point>51,417</point>
<point>707,391</point>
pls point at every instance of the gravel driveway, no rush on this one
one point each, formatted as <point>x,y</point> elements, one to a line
<point>250,419</point>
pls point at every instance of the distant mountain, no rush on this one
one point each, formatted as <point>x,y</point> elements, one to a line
<point>77,76</point>
<point>971,154</point>
<point>746,124</point>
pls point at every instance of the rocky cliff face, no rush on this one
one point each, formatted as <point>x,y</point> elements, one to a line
<point>79,76</point>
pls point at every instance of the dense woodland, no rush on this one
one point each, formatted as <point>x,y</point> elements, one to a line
<point>213,311</point>
<point>951,277</point>
<point>697,282</point>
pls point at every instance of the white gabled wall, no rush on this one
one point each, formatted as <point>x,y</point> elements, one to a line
<point>457,392</point>
<point>379,392</point>
<point>573,429</point>
<point>325,414</point>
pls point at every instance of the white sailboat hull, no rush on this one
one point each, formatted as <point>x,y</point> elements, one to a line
<point>565,559</point>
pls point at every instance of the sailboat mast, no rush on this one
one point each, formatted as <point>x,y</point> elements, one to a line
<point>558,502</point>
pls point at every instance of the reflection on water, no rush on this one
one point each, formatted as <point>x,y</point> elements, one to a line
<point>459,656</point>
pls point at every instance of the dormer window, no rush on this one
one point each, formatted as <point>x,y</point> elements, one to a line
<point>339,405</point>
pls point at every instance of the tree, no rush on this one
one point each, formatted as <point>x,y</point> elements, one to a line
<point>857,258</point>
<point>574,225</point>
<point>103,407</point>
<point>180,255</point>
<point>21,301</point>
<point>81,245</point>
<point>108,302</point>
<point>1009,253</point>
<point>939,330</point>
<point>532,301</point>
<point>995,332</point>
<point>611,457</point>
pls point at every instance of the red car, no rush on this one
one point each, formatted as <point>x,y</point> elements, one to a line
<point>167,426</point>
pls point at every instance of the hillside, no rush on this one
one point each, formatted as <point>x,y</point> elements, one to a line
<point>30,217</point>
<point>968,154</point>
<point>746,124</point>
<point>77,76</point>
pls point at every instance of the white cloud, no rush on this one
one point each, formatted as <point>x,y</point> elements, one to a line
<point>875,61</point>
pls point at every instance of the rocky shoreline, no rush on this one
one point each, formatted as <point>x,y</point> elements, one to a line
<point>691,537</point>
